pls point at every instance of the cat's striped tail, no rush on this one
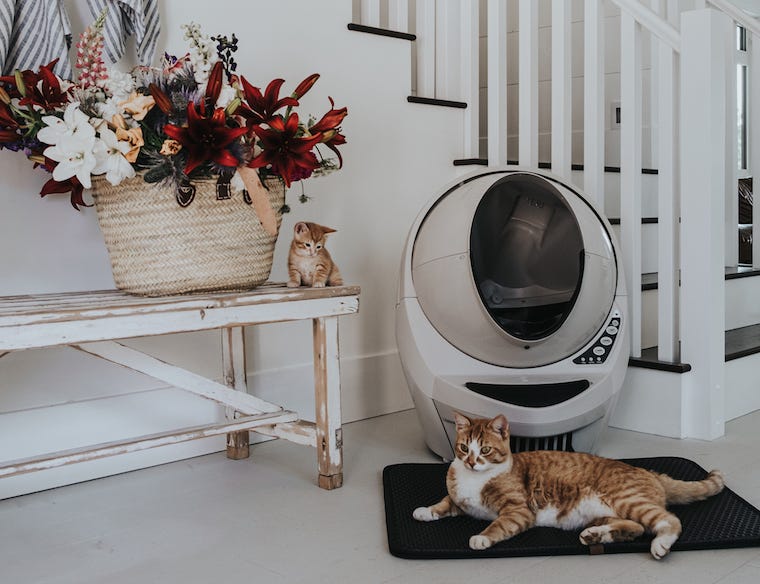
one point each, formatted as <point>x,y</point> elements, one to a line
<point>684,492</point>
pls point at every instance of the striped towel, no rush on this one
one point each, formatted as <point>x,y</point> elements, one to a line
<point>129,17</point>
<point>33,33</point>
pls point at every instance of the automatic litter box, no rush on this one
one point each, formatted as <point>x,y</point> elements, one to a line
<point>512,300</point>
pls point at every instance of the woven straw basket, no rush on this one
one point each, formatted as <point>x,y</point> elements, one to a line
<point>158,247</point>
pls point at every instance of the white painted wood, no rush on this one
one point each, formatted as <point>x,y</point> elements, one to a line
<point>370,11</point>
<point>40,321</point>
<point>329,434</point>
<point>176,376</point>
<point>398,15</point>
<point>630,170</point>
<point>528,86</point>
<point>63,458</point>
<point>497,82</point>
<point>234,375</point>
<point>561,90</point>
<point>754,139</point>
<point>593,101</point>
<point>300,432</point>
<point>425,45</point>
<point>470,91</point>
<point>448,50</point>
<point>731,187</point>
<point>703,136</point>
<point>747,21</point>
<point>651,21</point>
<point>668,207</point>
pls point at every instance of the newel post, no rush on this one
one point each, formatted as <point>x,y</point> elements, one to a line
<point>704,114</point>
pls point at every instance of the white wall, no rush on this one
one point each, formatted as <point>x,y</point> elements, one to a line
<point>397,155</point>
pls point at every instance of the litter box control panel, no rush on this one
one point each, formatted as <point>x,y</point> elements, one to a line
<point>600,350</point>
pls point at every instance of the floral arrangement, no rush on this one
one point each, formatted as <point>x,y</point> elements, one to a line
<point>193,117</point>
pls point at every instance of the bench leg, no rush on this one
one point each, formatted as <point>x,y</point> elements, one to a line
<point>233,363</point>
<point>327,398</point>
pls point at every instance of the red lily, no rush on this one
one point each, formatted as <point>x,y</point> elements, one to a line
<point>305,86</point>
<point>71,185</point>
<point>260,109</point>
<point>162,100</point>
<point>328,126</point>
<point>288,155</point>
<point>205,138</point>
<point>214,84</point>
<point>42,89</point>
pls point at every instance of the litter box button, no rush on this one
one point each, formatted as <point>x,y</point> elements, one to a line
<point>606,341</point>
<point>612,330</point>
<point>599,351</point>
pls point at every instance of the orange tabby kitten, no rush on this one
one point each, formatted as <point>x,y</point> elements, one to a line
<point>612,500</point>
<point>309,262</point>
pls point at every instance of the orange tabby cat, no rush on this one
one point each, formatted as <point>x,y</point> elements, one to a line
<point>309,262</point>
<point>612,500</point>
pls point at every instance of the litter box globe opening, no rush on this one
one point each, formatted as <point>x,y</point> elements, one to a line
<point>515,270</point>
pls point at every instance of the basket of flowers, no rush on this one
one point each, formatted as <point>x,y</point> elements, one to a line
<point>187,163</point>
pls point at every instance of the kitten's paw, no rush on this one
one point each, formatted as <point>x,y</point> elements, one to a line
<point>424,514</point>
<point>661,545</point>
<point>292,284</point>
<point>596,534</point>
<point>319,284</point>
<point>480,542</point>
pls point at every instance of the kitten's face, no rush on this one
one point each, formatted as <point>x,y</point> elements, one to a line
<point>481,444</point>
<point>309,238</point>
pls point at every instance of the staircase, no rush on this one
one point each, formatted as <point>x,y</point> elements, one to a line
<point>648,107</point>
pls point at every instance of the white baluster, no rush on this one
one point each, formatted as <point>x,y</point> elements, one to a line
<point>425,45</point>
<point>447,50</point>
<point>497,82</point>
<point>528,89</point>
<point>594,106</point>
<point>630,169</point>
<point>730,190</point>
<point>754,141</point>
<point>561,90</point>
<point>370,12</point>
<point>470,59</point>
<point>398,15</point>
<point>668,207</point>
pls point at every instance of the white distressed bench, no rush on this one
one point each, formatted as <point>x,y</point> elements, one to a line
<point>93,322</point>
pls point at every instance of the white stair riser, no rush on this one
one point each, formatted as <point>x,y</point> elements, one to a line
<point>742,308</point>
<point>648,246</point>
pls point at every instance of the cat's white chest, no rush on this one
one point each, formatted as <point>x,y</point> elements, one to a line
<point>469,486</point>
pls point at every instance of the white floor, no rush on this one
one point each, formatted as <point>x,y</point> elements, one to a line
<point>213,520</point>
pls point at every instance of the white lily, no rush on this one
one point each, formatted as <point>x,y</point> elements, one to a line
<point>75,157</point>
<point>74,123</point>
<point>109,152</point>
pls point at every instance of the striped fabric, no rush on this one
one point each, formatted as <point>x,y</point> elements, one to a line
<point>33,33</point>
<point>125,18</point>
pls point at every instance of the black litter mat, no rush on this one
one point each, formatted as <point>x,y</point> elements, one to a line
<point>723,521</point>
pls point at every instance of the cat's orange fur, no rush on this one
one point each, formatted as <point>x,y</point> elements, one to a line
<point>612,500</point>
<point>309,262</point>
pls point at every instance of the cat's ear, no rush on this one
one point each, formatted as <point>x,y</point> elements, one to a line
<point>462,421</point>
<point>300,228</point>
<point>327,230</point>
<point>500,425</point>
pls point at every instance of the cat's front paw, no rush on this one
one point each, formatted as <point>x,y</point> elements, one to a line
<point>293,284</point>
<point>480,542</point>
<point>319,284</point>
<point>424,514</point>
<point>661,545</point>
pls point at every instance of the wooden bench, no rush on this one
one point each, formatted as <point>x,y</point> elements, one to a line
<point>93,322</point>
